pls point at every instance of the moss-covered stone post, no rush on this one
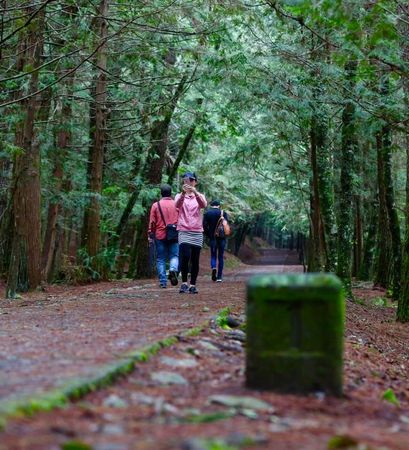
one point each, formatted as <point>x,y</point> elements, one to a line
<point>295,325</point>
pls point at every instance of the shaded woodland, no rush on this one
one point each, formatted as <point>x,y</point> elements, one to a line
<point>293,113</point>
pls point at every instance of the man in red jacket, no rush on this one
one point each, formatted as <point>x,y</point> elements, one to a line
<point>164,213</point>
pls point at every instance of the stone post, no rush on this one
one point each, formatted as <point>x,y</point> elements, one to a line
<point>295,325</point>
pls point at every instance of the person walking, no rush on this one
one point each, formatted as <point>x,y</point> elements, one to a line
<point>190,227</point>
<point>217,244</point>
<point>163,213</point>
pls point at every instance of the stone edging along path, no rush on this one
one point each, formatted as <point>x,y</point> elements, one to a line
<point>79,388</point>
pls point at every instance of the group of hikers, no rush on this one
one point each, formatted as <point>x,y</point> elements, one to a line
<point>177,227</point>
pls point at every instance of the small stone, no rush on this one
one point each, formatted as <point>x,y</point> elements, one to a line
<point>194,444</point>
<point>182,363</point>
<point>249,413</point>
<point>194,352</point>
<point>113,401</point>
<point>404,419</point>
<point>191,412</point>
<point>319,395</point>
<point>241,402</point>
<point>237,335</point>
<point>139,397</point>
<point>206,309</point>
<point>171,409</point>
<point>208,345</point>
<point>168,378</point>
<point>113,428</point>
<point>243,440</point>
<point>110,446</point>
<point>232,322</point>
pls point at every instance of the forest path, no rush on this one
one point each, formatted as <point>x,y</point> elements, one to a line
<point>48,339</point>
<point>166,402</point>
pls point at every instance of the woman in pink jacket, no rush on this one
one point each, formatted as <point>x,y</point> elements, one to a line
<point>190,226</point>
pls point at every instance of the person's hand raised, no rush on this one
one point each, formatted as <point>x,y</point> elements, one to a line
<point>187,188</point>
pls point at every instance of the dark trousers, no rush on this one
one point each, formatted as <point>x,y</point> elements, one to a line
<point>217,246</point>
<point>189,254</point>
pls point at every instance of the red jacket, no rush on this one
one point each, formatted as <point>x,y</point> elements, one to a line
<point>170,214</point>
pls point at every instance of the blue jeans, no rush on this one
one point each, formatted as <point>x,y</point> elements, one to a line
<point>217,246</point>
<point>166,250</point>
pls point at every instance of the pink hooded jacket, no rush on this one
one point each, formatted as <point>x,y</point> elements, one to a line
<point>190,217</point>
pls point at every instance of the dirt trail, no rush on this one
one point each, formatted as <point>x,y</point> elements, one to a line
<point>48,339</point>
<point>166,403</point>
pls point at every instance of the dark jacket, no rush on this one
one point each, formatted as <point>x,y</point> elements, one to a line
<point>210,219</point>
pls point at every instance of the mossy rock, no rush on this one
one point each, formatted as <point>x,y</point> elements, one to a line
<point>295,325</point>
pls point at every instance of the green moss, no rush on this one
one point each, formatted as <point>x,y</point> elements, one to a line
<point>221,318</point>
<point>75,445</point>
<point>342,441</point>
<point>210,417</point>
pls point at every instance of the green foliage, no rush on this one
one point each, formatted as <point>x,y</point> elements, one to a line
<point>221,318</point>
<point>100,266</point>
<point>390,397</point>
<point>11,150</point>
<point>380,301</point>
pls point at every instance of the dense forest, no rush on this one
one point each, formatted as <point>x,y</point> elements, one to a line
<point>294,113</point>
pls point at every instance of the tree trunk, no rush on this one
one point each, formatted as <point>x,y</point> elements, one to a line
<point>152,175</point>
<point>92,217</point>
<point>323,188</point>
<point>392,215</point>
<point>181,154</point>
<point>62,143</point>
<point>383,251</point>
<point>365,270</point>
<point>25,260</point>
<point>358,237</point>
<point>402,314</point>
<point>131,201</point>
<point>348,150</point>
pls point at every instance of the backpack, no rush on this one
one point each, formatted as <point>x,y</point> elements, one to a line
<point>222,229</point>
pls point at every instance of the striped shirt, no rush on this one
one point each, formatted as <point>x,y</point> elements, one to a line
<point>191,237</point>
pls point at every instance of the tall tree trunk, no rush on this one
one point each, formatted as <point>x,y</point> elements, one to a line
<point>132,198</point>
<point>181,154</point>
<point>92,217</point>
<point>62,143</point>
<point>384,246</point>
<point>152,175</point>
<point>358,236</point>
<point>25,261</point>
<point>348,150</point>
<point>393,220</point>
<point>323,191</point>
<point>402,314</point>
<point>365,270</point>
